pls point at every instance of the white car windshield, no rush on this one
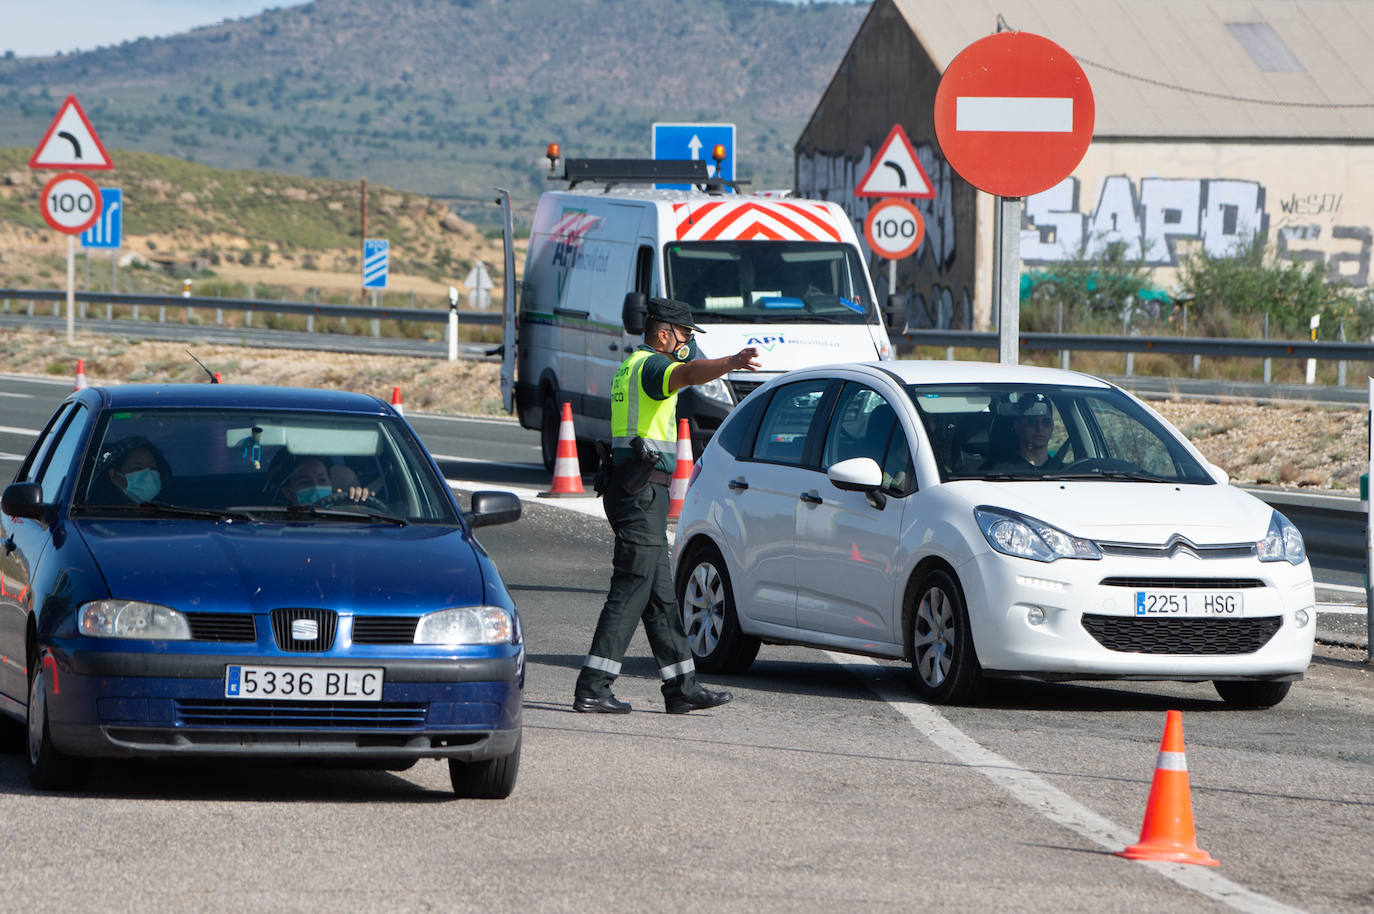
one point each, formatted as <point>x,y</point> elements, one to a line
<point>764,282</point>
<point>1004,432</point>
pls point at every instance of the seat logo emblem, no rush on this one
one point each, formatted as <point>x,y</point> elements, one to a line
<point>305,629</point>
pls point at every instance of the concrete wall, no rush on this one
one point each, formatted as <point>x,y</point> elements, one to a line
<point>1164,198</point>
<point>887,78</point>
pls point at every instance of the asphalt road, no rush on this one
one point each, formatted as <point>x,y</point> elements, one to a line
<point>824,785</point>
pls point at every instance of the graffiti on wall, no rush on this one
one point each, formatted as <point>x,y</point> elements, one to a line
<point>834,178</point>
<point>1152,216</point>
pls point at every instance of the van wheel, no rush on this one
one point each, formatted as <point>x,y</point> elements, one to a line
<point>943,660</point>
<point>708,614</point>
<point>548,431</point>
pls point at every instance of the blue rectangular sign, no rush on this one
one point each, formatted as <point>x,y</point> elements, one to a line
<point>376,260</point>
<point>108,231</point>
<point>695,141</point>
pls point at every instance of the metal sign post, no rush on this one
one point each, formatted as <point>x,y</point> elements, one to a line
<point>1369,540</point>
<point>1006,277</point>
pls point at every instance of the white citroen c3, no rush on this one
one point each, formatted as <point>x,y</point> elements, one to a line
<point>981,521</point>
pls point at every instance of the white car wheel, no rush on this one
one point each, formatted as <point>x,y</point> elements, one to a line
<point>708,614</point>
<point>942,654</point>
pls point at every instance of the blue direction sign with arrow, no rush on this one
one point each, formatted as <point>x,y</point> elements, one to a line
<point>108,231</point>
<point>695,141</point>
<point>376,260</point>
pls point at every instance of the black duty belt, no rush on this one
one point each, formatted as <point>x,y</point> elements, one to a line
<point>660,478</point>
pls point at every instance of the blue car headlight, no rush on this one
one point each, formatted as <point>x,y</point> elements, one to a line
<point>466,625</point>
<point>132,619</point>
<point>1025,537</point>
<point>1283,542</point>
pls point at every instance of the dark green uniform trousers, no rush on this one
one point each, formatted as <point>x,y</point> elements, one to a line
<point>641,588</point>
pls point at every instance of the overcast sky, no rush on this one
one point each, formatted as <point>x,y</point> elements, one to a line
<point>32,29</point>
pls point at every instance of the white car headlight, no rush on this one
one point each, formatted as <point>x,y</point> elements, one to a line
<point>132,619</point>
<point>1283,542</point>
<point>716,390</point>
<point>1025,537</point>
<point>466,625</point>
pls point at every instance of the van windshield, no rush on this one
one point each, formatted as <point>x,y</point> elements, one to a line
<point>769,282</point>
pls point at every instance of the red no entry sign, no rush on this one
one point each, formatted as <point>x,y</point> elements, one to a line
<point>1014,114</point>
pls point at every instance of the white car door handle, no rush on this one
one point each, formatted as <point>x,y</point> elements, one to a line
<point>812,499</point>
<point>738,484</point>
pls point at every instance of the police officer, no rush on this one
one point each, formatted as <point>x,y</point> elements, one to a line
<point>643,455</point>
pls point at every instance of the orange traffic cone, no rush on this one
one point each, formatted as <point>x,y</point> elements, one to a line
<point>1168,830</point>
<point>80,375</point>
<point>396,401</point>
<point>682,471</point>
<point>567,473</point>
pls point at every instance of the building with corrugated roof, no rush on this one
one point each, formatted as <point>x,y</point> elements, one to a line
<point>1215,119</point>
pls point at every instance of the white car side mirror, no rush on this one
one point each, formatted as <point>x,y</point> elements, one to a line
<point>1217,473</point>
<point>858,474</point>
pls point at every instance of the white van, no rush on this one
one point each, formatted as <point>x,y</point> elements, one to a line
<point>784,275</point>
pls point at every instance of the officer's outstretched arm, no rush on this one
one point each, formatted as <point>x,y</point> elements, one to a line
<point>699,371</point>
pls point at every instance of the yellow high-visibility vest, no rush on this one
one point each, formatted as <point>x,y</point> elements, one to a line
<point>635,414</point>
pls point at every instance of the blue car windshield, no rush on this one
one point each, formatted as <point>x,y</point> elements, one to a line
<point>1008,432</point>
<point>216,459</point>
<point>769,282</point>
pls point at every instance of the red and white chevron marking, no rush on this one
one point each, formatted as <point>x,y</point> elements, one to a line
<point>781,220</point>
<point>572,224</point>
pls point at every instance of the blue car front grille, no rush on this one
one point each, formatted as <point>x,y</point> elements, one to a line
<point>299,715</point>
<point>302,630</point>
<point>222,627</point>
<point>384,629</point>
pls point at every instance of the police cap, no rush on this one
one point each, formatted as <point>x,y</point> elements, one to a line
<point>673,312</point>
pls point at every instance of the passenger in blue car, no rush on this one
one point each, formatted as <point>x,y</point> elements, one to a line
<point>135,472</point>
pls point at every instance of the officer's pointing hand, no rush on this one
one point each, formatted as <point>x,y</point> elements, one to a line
<point>747,358</point>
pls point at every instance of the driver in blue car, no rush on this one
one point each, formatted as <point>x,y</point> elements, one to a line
<point>311,480</point>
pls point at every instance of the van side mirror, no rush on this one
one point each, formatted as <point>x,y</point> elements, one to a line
<point>23,499</point>
<point>632,313</point>
<point>894,314</point>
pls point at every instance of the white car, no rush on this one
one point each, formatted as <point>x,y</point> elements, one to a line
<point>982,520</point>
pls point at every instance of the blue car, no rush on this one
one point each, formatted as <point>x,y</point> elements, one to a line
<point>230,571</point>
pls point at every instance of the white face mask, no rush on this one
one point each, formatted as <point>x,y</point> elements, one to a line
<point>142,485</point>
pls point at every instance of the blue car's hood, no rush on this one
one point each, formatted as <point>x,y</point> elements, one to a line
<point>214,567</point>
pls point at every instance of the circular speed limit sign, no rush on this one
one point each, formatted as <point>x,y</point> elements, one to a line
<point>894,229</point>
<point>71,203</point>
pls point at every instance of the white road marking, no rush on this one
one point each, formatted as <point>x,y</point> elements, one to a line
<point>7,456</point>
<point>994,114</point>
<point>5,393</point>
<point>485,463</point>
<point>1342,588</point>
<point>1042,797</point>
<point>1341,609</point>
<point>590,506</point>
<point>18,431</point>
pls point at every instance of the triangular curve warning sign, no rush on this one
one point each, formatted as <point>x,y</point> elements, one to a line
<point>895,172</point>
<point>71,142</point>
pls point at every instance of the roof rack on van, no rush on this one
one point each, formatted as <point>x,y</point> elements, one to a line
<point>611,172</point>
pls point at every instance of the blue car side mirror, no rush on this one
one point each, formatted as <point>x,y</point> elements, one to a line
<point>23,499</point>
